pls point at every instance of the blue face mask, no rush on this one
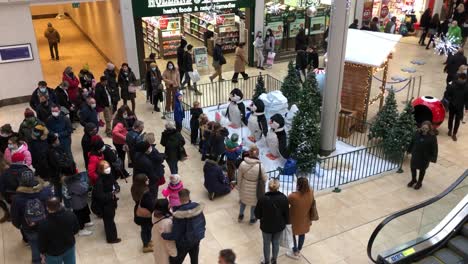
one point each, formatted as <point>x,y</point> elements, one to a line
<point>37,134</point>
<point>42,89</point>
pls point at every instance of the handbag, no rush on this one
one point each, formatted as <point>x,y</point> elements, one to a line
<point>260,184</point>
<point>313,213</point>
<point>132,88</point>
<point>286,237</point>
<point>142,212</point>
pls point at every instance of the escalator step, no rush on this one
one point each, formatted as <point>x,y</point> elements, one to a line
<point>429,260</point>
<point>447,256</point>
<point>464,230</point>
<point>459,244</point>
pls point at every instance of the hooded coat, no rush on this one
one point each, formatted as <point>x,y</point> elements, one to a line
<point>78,191</point>
<point>423,150</point>
<point>172,193</point>
<point>52,35</point>
<point>23,148</point>
<point>172,141</point>
<point>73,84</point>
<point>215,180</point>
<point>179,113</point>
<point>247,180</point>
<point>9,180</point>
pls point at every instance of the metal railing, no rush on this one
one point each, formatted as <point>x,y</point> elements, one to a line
<point>352,130</point>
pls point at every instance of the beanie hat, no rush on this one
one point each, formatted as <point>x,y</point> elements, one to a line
<point>89,127</point>
<point>174,178</point>
<point>110,66</point>
<point>27,179</point>
<point>51,138</point>
<point>18,157</point>
<point>6,129</point>
<point>28,113</point>
<point>234,137</point>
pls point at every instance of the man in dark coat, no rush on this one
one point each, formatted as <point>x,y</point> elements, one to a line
<point>218,61</point>
<point>43,110</point>
<point>453,63</point>
<point>39,149</point>
<point>355,24</point>
<point>57,233</point>
<point>216,182</point>
<point>61,126</point>
<point>104,101</point>
<point>90,129</point>
<point>42,89</point>
<point>58,160</point>
<point>88,113</point>
<point>133,137</point>
<point>188,228</point>
<point>9,180</point>
<point>457,95</point>
<point>173,143</point>
<point>149,163</point>
<point>180,57</point>
<point>112,86</point>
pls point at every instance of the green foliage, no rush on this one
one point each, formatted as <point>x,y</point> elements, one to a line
<point>400,135</point>
<point>291,87</point>
<point>259,87</point>
<point>386,118</point>
<point>304,137</point>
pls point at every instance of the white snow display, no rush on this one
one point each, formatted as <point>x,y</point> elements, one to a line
<point>275,103</point>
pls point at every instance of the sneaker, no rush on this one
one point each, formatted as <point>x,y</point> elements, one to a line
<point>150,244</point>
<point>411,183</point>
<point>418,186</point>
<point>292,255</point>
<point>252,221</point>
<point>85,232</point>
<point>89,224</point>
<point>240,218</point>
<point>117,240</point>
<point>147,249</point>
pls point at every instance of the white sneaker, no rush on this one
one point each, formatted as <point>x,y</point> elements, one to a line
<point>89,224</point>
<point>85,232</point>
<point>292,255</point>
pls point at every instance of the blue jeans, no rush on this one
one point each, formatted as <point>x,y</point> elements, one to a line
<point>32,237</point>
<point>272,239</point>
<point>298,247</point>
<point>68,257</point>
<point>146,233</point>
<point>252,211</point>
<point>173,166</point>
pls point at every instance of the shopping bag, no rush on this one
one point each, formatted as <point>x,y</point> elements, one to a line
<point>270,58</point>
<point>286,237</point>
<point>132,88</point>
<point>194,76</point>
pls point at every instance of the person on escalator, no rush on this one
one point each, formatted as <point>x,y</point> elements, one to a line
<point>423,150</point>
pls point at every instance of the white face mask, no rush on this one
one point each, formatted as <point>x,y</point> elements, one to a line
<point>125,116</point>
<point>93,106</point>
<point>150,149</point>
<point>56,114</point>
<point>170,67</point>
<point>107,170</point>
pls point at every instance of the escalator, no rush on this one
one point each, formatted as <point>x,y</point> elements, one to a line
<point>432,232</point>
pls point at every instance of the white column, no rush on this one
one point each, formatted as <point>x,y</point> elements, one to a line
<point>438,6</point>
<point>128,28</point>
<point>259,16</point>
<point>332,93</point>
<point>358,10</point>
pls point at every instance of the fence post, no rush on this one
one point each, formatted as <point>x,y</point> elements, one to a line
<point>337,184</point>
<point>400,169</point>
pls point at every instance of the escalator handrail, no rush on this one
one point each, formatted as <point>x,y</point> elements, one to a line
<point>409,210</point>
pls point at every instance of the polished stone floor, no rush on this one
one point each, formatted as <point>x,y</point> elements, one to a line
<point>346,219</point>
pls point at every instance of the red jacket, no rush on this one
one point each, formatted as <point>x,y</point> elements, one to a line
<point>119,134</point>
<point>73,84</point>
<point>92,167</point>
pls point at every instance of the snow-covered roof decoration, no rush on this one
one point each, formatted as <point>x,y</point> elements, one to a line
<point>369,48</point>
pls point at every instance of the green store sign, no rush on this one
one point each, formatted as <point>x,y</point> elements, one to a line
<point>147,8</point>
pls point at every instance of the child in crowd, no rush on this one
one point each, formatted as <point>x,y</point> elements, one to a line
<point>172,190</point>
<point>232,152</point>
<point>195,113</point>
<point>179,112</point>
<point>203,123</point>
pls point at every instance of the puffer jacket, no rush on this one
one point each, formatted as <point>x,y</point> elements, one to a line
<point>26,128</point>
<point>215,180</point>
<point>78,191</point>
<point>273,212</point>
<point>93,161</point>
<point>119,134</point>
<point>247,180</point>
<point>39,149</point>
<point>172,193</point>
<point>21,149</point>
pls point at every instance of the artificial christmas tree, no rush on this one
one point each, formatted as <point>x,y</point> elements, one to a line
<point>304,137</point>
<point>259,87</point>
<point>386,118</point>
<point>291,87</point>
<point>396,142</point>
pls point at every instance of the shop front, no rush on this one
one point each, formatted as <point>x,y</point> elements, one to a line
<point>406,11</point>
<point>160,24</point>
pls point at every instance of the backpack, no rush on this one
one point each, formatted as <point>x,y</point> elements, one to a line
<point>290,167</point>
<point>34,212</point>
<point>115,162</point>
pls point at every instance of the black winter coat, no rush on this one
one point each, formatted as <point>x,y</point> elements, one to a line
<point>102,100</point>
<point>9,180</point>
<point>104,201</point>
<point>218,54</point>
<point>34,101</point>
<point>217,142</point>
<point>173,141</point>
<point>150,165</point>
<point>124,81</point>
<point>43,112</point>
<point>4,141</point>
<point>187,62</point>
<point>88,115</point>
<point>58,160</point>
<point>215,180</point>
<point>39,149</point>
<point>62,98</point>
<point>57,233</point>
<point>454,62</point>
<point>273,212</point>
<point>457,94</point>
<point>112,84</point>
<point>86,147</point>
<point>423,150</point>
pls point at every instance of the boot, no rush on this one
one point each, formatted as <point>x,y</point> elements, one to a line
<point>147,249</point>
<point>411,183</point>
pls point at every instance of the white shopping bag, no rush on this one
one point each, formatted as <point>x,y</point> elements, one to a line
<point>286,238</point>
<point>270,58</point>
<point>194,76</point>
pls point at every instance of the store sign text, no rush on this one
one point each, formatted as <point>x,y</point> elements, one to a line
<point>175,3</point>
<point>190,9</point>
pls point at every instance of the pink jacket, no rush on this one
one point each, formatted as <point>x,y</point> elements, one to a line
<point>172,193</point>
<point>23,149</point>
<point>119,133</point>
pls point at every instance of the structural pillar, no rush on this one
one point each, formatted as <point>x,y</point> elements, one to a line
<point>358,10</point>
<point>336,53</point>
<point>128,28</point>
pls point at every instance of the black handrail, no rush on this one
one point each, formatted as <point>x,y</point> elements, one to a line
<point>409,210</point>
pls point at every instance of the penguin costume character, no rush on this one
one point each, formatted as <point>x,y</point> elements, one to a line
<point>236,109</point>
<point>276,139</point>
<point>257,122</point>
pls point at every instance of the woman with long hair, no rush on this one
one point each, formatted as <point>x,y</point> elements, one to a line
<point>125,79</point>
<point>172,81</point>
<point>423,150</point>
<point>143,209</point>
<point>434,27</point>
<point>120,129</point>
<point>425,24</point>
<point>300,209</point>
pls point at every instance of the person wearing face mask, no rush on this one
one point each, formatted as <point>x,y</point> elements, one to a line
<point>64,100</point>
<point>28,124</point>
<point>104,201</point>
<point>73,83</point>
<point>104,102</point>
<point>154,92</point>
<point>39,149</point>
<point>15,145</point>
<point>423,150</point>
<point>180,57</point>
<point>86,77</point>
<point>173,143</point>
<point>58,160</point>
<point>6,132</point>
<point>111,77</point>
<point>88,113</point>
<point>120,129</point>
<point>149,161</point>
<point>43,110</point>
<point>126,78</point>
<point>172,80</point>
<point>94,157</point>
<point>258,44</point>
<point>42,89</point>
<point>61,126</point>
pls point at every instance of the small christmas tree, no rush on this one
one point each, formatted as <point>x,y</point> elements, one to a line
<point>291,87</point>
<point>304,137</point>
<point>386,118</point>
<point>259,87</point>
<point>400,135</point>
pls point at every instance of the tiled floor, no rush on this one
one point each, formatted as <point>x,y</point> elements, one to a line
<point>346,219</point>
